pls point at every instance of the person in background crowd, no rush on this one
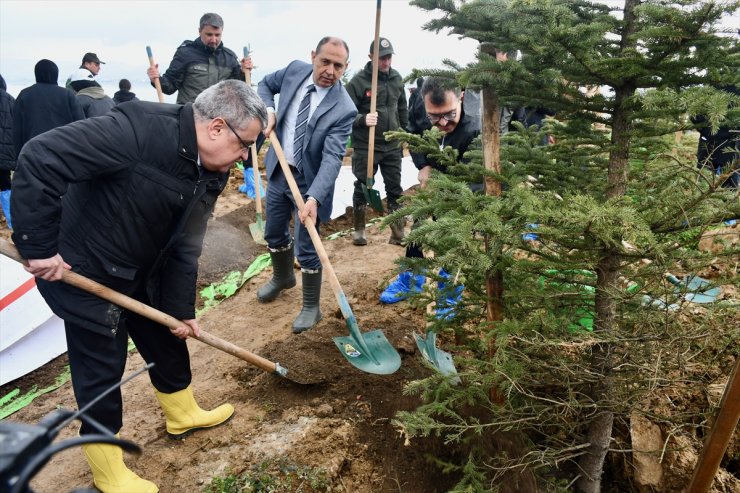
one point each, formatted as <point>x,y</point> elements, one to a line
<point>391,113</point>
<point>720,150</point>
<point>418,120</point>
<point>91,63</point>
<point>7,149</point>
<point>90,95</point>
<point>313,122</point>
<point>124,93</point>
<point>124,199</point>
<point>43,106</point>
<point>200,63</point>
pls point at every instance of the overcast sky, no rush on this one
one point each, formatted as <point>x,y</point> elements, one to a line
<point>278,31</point>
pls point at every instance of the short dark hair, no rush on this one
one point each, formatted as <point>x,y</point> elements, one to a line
<point>124,85</point>
<point>232,100</point>
<point>332,40</point>
<point>437,87</point>
<point>211,19</point>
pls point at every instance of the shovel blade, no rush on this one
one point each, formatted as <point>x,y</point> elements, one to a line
<point>439,359</point>
<point>381,358</point>
<point>372,197</point>
<point>700,298</point>
<point>698,290</point>
<point>257,234</point>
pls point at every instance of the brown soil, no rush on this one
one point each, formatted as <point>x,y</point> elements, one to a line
<point>341,424</point>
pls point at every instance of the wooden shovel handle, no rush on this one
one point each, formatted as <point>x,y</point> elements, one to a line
<point>256,171</point>
<point>157,84</point>
<point>120,299</point>
<point>247,73</point>
<point>373,100</point>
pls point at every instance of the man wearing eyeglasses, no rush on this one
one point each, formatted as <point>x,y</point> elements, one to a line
<point>444,108</point>
<point>124,199</point>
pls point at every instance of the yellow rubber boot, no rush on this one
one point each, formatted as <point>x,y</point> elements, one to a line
<point>110,474</point>
<point>184,416</point>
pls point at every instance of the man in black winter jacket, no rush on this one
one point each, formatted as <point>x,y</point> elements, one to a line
<point>200,63</point>
<point>444,109</point>
<point>43,106</point>
<point>124,199</point>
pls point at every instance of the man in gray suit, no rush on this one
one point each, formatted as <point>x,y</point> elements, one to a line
<point>315,158</point>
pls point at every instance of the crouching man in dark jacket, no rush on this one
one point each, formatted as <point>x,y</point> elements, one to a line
<point>124,199</point>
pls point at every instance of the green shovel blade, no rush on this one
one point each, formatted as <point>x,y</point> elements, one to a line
<point>372,196</point>
<point>378,357</point>
<point>441,360</point>
<point>695,289</point>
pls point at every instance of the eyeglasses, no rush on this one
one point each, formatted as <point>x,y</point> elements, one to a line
<point>244,145</point>
<point>447,117</point>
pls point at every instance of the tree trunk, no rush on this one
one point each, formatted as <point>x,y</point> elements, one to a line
<point>607,276</point>
<point>491,157</point>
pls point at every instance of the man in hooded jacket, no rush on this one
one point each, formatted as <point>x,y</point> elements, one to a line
<point>43,106</point>
<point>90,95</point>
<point>124,93</point>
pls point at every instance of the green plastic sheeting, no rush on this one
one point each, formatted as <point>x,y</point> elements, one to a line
<point>217,292</point>
<point>583,315</point>
<point>12,402</point>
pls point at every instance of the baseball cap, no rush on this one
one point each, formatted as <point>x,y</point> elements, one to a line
<point>91,57</point>
<point>386,48</point>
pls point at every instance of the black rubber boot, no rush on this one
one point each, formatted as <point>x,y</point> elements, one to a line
<point>359,214</point>
<point>283,276</point>
<point>311,311</point>
<point>397,231</point>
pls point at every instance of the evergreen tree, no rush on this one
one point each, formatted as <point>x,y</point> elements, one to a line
<point>590,326</point>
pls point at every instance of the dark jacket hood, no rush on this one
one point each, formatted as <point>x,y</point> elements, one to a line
<point>46,72</point>
<point>79,85</point>
<point>3,85</point>
<point>123,96</point>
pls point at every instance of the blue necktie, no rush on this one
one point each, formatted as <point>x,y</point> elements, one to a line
<point>301,123</point>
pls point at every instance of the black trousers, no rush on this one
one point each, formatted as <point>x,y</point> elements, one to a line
<point>390,167</point>
<point>97,362</point>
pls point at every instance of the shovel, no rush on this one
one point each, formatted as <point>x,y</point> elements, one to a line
<point>372,196</point>
<point>439,359</point>
<point>370,352</point>
<point>692,288</point>
<point>106,293</point>
<point>256,229</point>
<point>157,84</point>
